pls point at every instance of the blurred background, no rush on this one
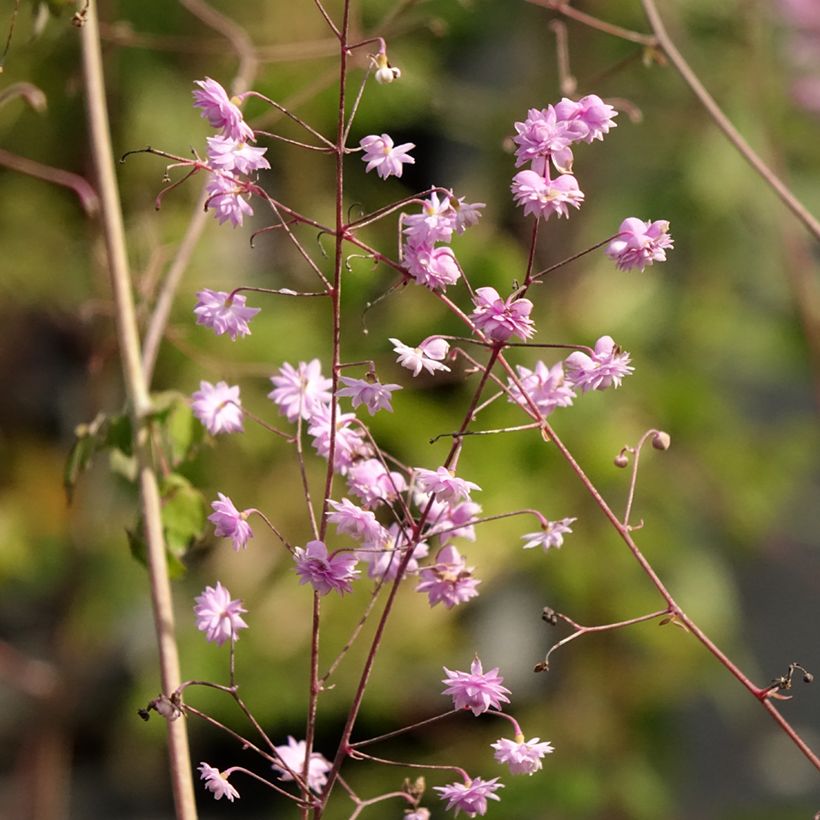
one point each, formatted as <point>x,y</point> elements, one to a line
<point>725,339</point>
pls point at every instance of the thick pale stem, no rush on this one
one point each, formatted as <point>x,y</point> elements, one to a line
<point>139,401</point>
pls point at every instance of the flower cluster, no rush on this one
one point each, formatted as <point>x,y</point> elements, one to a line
<point>429,262</point>
<point>230,159</point>
<point>543,140</point>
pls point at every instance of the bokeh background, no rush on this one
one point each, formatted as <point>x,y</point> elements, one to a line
<point>645,723</point>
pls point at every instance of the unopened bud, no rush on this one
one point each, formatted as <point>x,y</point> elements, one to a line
<point>385,73</point>
<point>661,440</point>
<point>621,460</point>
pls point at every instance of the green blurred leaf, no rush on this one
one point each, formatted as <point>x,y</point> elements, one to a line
<point>184,513</point>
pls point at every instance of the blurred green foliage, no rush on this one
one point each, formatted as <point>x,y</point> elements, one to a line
<point>645,723</point>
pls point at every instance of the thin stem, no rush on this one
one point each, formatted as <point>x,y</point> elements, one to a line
<point>563,7</point>
<point>398,732</point>
<point>139,401</point>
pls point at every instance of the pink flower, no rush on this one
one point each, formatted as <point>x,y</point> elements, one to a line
<point>314,566</point>
<point>429,266</point>
<point>591,112</point>
<point>371,393</point>
<point>218,616</point>
<point>498,318</point>
<point>220,112</point>
<point>230,523</point>
<point>435,223</point>
<point>544,136</point>
<point>350,441</point>
<point>293,756</point>
<point>449,581</point>
<point>381,154</point>
<point>476,690</point>
<point>444,485</point>
<point>467,213</point>
<point>217,783</point>
<point>218,407</point>
<point>607,366</point>
<point>384,563</point>
<point>225,197</point>
<point>226,155</point>
<point>373,484</point>
<point>297,392</point>
<point>639,243</point>
<point>451,521</point>
<point>470,797</point>
<point>542,197</point>
<point>545,386</point>
<point>550,536</point>
<point>428,356</point>
<point>356,522</point>
<point>522,757</point>
<point>223,313</point>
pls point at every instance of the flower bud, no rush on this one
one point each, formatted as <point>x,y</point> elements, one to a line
<point>385,73</point>
<point>621,460</point>
<point>661,440</point>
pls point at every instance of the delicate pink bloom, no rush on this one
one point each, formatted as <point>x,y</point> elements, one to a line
<point>476,690</point>
<point>544,386</point>
<point>523,757</point>
<point>428,356</point>
<point>372,394</point>
<point>351,443</point>
<point>217,783</point>
<point>227,198</point>
<point>542,197</point>
<point>498,318</point>
<point>373,484</point>
<point>387,159</point>
<point>543,136</point>
<point>298,391</point>
<point>226,155</point>
<point>449,581</point>
<point>451,521</point>
<point>230,523</point>
<point>429,266</point>
<point>384,563</point>
<point>220,112</point>
<point>223,313</point>
<point>639,243</point>
<point>591,111</point>
<point>293,756</point>
<point>435,223</point>
<point>325,572</point>
<point>217,615</point>
<point>357,523</point>
<point>444,485</point>
<point>550,536</point>
<point>470,797</point>
<point>467,213</point>
<point>218,407</point>
<point>607,366</point>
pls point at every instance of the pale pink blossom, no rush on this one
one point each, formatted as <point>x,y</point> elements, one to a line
<point>371,482</point>
<point>606,367</point>
<point>476,690</point>
<point>217,783</point>
<point>227,197</point>
<point>384,563</point>
<point>224,313</point>
<point>325,572</point>
<point>230,523</point>
<point>218,407</point>
<point>592,112</point>
<point>449,581</point>
<point>428,356</point>
<point>523,757</point>
<point>640,243</point>
<point>444,485</point>
<point>470,797</point>
<point>371,393</point>
<point>543,197</point>
<point>429,266</point>
<point>298,391</point>
<point>218,616</point>
<point>543,136</point>
<point>227,155</point>
<point>545,386</point>
<point>499,318</point>
<point>356,522</point>
<point>293,756</point>
<point>451,521</point>
<point>467,213</point>
<point>387,159</point>
<point>549,536</point>
<point>435,223</point>
<point>220,110</point>
<point>350,441</point>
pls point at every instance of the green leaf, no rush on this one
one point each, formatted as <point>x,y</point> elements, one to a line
<point>89,438</point>
<point>184,512</point>
<point>183,431</point>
